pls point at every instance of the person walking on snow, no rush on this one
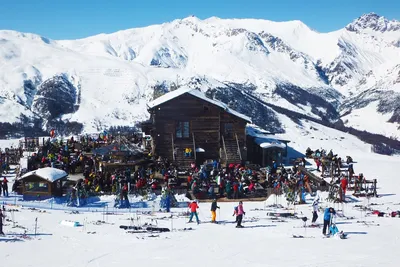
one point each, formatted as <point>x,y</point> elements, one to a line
<point>315,209</point>
<point>329,212</point>
<point>214,208</point>
<point>2,216</point>
<point>235,213</point>
<point>343,187</point>
<point>5,187</point>
<point>193,211</point>
<point>240,213</point>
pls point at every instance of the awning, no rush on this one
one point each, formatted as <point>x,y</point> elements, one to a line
<point>199,149</point>
<point>269,143</point>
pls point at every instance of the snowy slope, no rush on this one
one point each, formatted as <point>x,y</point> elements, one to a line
<point>263,242</point>
<point>107,79</point>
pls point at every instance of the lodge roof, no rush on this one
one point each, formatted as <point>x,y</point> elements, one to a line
<point>48,173</point>
<point>262,136</point>
<point>196,93</point>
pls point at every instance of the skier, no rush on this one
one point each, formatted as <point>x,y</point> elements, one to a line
<point>124,200</point>
<point>193,211</point>
<point>214,208</point>
<point>5,187</point>
<point>1,222</point>
<point>327,218</point>
<point>240,213</point>
<point>343,186</point>
<point>235,213</point>
<point>315,209</point>
<point>168,202</point>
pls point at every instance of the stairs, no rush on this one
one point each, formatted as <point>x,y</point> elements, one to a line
<point>181,160</point>
<point>232,152</point>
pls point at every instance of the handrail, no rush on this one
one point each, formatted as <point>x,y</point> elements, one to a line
<point>194,147</point>
<point>223,143</point>
<point>238,147</point>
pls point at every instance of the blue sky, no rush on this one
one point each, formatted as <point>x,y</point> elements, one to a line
<point>71,19</point>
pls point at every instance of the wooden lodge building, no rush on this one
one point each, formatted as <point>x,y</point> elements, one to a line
<point>185,120</point>
<point>43,183</point>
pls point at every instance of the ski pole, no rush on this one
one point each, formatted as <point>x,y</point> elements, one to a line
<point>13,218</point>
<point>36,219</point>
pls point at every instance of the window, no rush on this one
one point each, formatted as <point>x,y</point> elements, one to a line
<point>182,129</point>
<point>228,129</point>
<point>36,187</point>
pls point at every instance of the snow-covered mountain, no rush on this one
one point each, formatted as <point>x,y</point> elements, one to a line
<point>107,79</point>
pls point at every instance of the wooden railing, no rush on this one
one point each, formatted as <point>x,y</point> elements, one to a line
<point>238,147</point>
<point>194,147</point>
<point>223,144</point>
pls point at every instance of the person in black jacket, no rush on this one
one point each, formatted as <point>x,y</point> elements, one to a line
<point>1,222</point>
<point>214,208</point>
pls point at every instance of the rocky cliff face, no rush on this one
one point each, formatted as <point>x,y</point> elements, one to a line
<point>55,97</point>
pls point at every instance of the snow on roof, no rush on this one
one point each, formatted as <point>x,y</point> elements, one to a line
<point>268,143</point>
<point>48,173</point>
<point>199,94</point>
<point>255,131</point>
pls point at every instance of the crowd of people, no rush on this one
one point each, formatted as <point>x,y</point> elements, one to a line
<point>234,181</point>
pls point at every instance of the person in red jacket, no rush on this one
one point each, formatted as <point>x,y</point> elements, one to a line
<point>235,190</point>
<point>5,187</point>
<point>193,211</point>
<point>343,186</point>
<point>189,181</point>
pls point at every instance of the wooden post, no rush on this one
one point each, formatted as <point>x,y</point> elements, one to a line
<point>238,147</point>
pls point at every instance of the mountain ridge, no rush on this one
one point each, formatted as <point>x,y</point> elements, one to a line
<point>112,76</point>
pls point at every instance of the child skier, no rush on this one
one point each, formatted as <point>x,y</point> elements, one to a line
<point>240,213</point>
<point>235,213</point>
<point>327,218</point>
<point>214,208</point>
<point>315,209</point>
<point>193,211</point>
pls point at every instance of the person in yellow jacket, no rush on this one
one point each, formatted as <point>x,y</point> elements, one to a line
<point>214,208</point>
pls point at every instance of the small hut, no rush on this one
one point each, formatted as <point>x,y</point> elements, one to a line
<point>43,183</point>
<point>264,148</point>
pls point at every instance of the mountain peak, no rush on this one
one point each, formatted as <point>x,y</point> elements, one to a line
<point>373,22</point>
<point>191,18</point>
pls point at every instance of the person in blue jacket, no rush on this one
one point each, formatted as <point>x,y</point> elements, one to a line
<point>168,203</point>
<point>327,218</point>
